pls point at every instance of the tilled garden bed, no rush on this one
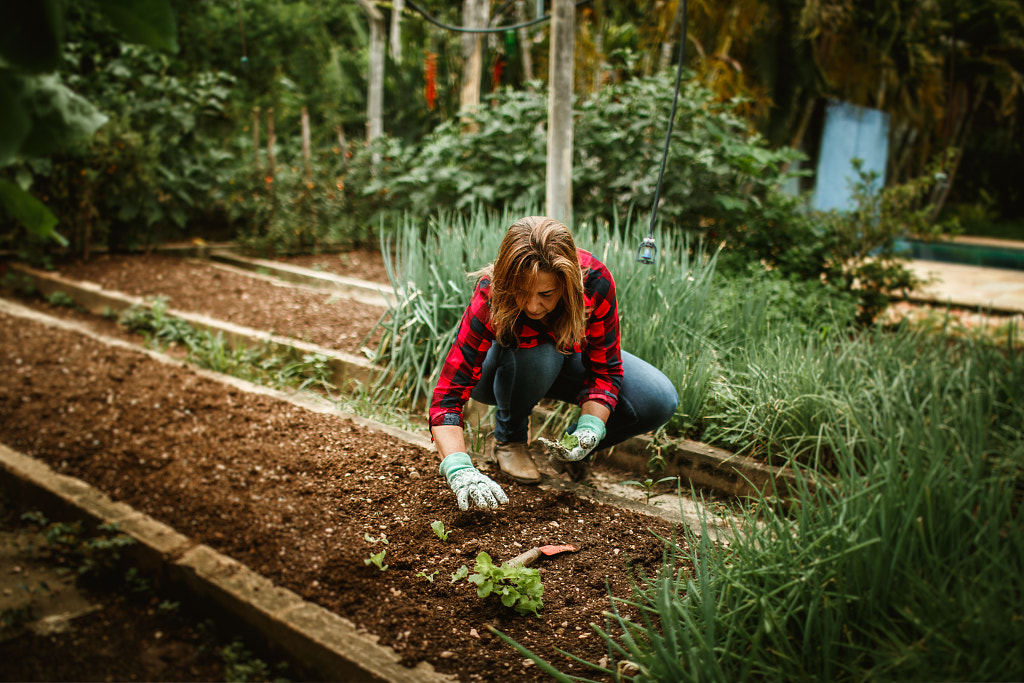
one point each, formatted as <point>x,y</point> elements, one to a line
<point>306,498</point>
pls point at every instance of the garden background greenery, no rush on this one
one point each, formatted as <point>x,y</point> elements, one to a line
<point>126,123</point>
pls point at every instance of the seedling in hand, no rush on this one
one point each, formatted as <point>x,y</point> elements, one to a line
<point>560,449</point>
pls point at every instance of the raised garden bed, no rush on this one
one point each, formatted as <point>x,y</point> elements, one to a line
<point>294,494</point>
<point>264,305</point>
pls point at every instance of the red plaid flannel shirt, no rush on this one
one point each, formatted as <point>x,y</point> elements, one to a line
<point>600,348</point>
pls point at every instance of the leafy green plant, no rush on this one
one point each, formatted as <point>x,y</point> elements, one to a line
<point>241,665</point>
<point>71,546</point>
<point>437,526</point>
<point>718,174</point>
<point>517,586</point>
<point>649,485</point>
<point>861,255</point>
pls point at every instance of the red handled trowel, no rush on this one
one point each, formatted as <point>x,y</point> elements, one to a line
<point>531,555</point>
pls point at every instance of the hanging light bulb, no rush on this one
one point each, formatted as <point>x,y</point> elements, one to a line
<point>648,251</point>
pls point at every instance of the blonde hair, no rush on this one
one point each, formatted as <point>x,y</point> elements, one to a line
<point>533,245</point>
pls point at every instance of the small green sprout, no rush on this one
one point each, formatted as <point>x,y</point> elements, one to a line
<point>649,485</point>
<point>438,527</point>
<point>429,577</point>
<point>377,560</point>
<point>60,298</point>
<point>370,539</point>
<point>461,573</point>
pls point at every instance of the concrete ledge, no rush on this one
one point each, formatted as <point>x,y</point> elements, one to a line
<point>360,290</point>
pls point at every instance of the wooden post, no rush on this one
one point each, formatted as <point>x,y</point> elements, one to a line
<point>375,98</point>
<point>307,162</point>
<point>271,141</point>
<point>560,97</point>
<point>256,140</point>
<point>397,7</point>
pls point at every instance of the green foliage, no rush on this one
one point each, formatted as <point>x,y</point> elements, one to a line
<point>859,245</point>
<point>153,167</point>
<point>40,114</point>
<point>241,665</point>
<point>292,211</point>
<point>92,554</point>
<point>719,175</point>
<point>269,365</point>
<point>59,298</point>
<point>517,586</point>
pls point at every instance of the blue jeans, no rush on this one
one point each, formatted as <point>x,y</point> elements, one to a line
<point>515,380</point>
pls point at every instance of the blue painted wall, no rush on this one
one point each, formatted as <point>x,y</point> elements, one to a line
<point>851,132</point>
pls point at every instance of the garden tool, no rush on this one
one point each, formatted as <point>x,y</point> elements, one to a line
<point>531,555</point>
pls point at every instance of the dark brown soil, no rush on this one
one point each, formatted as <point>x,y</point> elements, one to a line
<point>202,287</point>
<point>362,265</point>
<point>296,495</point>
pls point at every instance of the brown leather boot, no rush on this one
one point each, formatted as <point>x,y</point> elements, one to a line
<point>576,471</point>
<point>514,460</point>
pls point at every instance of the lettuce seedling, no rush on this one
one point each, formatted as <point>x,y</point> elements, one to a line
<point>438,527</point>
<point>429,577</point>
<point>377,560</point>
<point>518,587</point>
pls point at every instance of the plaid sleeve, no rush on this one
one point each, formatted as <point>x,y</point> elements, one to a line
<point>461,369</point>
<point>601,354</point>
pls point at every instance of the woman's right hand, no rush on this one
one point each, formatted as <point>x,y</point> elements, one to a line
<point>467,482</point>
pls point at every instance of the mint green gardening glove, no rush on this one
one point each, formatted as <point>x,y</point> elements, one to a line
<point>589,432</point>
<point>468,482</point>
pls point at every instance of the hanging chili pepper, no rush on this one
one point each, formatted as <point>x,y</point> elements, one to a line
<point>430,76</point>
<point>499,67</point>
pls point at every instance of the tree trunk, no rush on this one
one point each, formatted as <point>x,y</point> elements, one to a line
<point>375,98</point>
<point>306,154</point>
<point>256,140</point>
<point>524,42</point>
<point>397,7</point>
<point>271,141</point>
<point>475,14</point>
<point>560,96</point>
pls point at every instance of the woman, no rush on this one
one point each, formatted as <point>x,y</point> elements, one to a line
<point>543,323</point>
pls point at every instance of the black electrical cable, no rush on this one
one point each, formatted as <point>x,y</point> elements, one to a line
<point>648,250</point>
<point>493,29</point>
